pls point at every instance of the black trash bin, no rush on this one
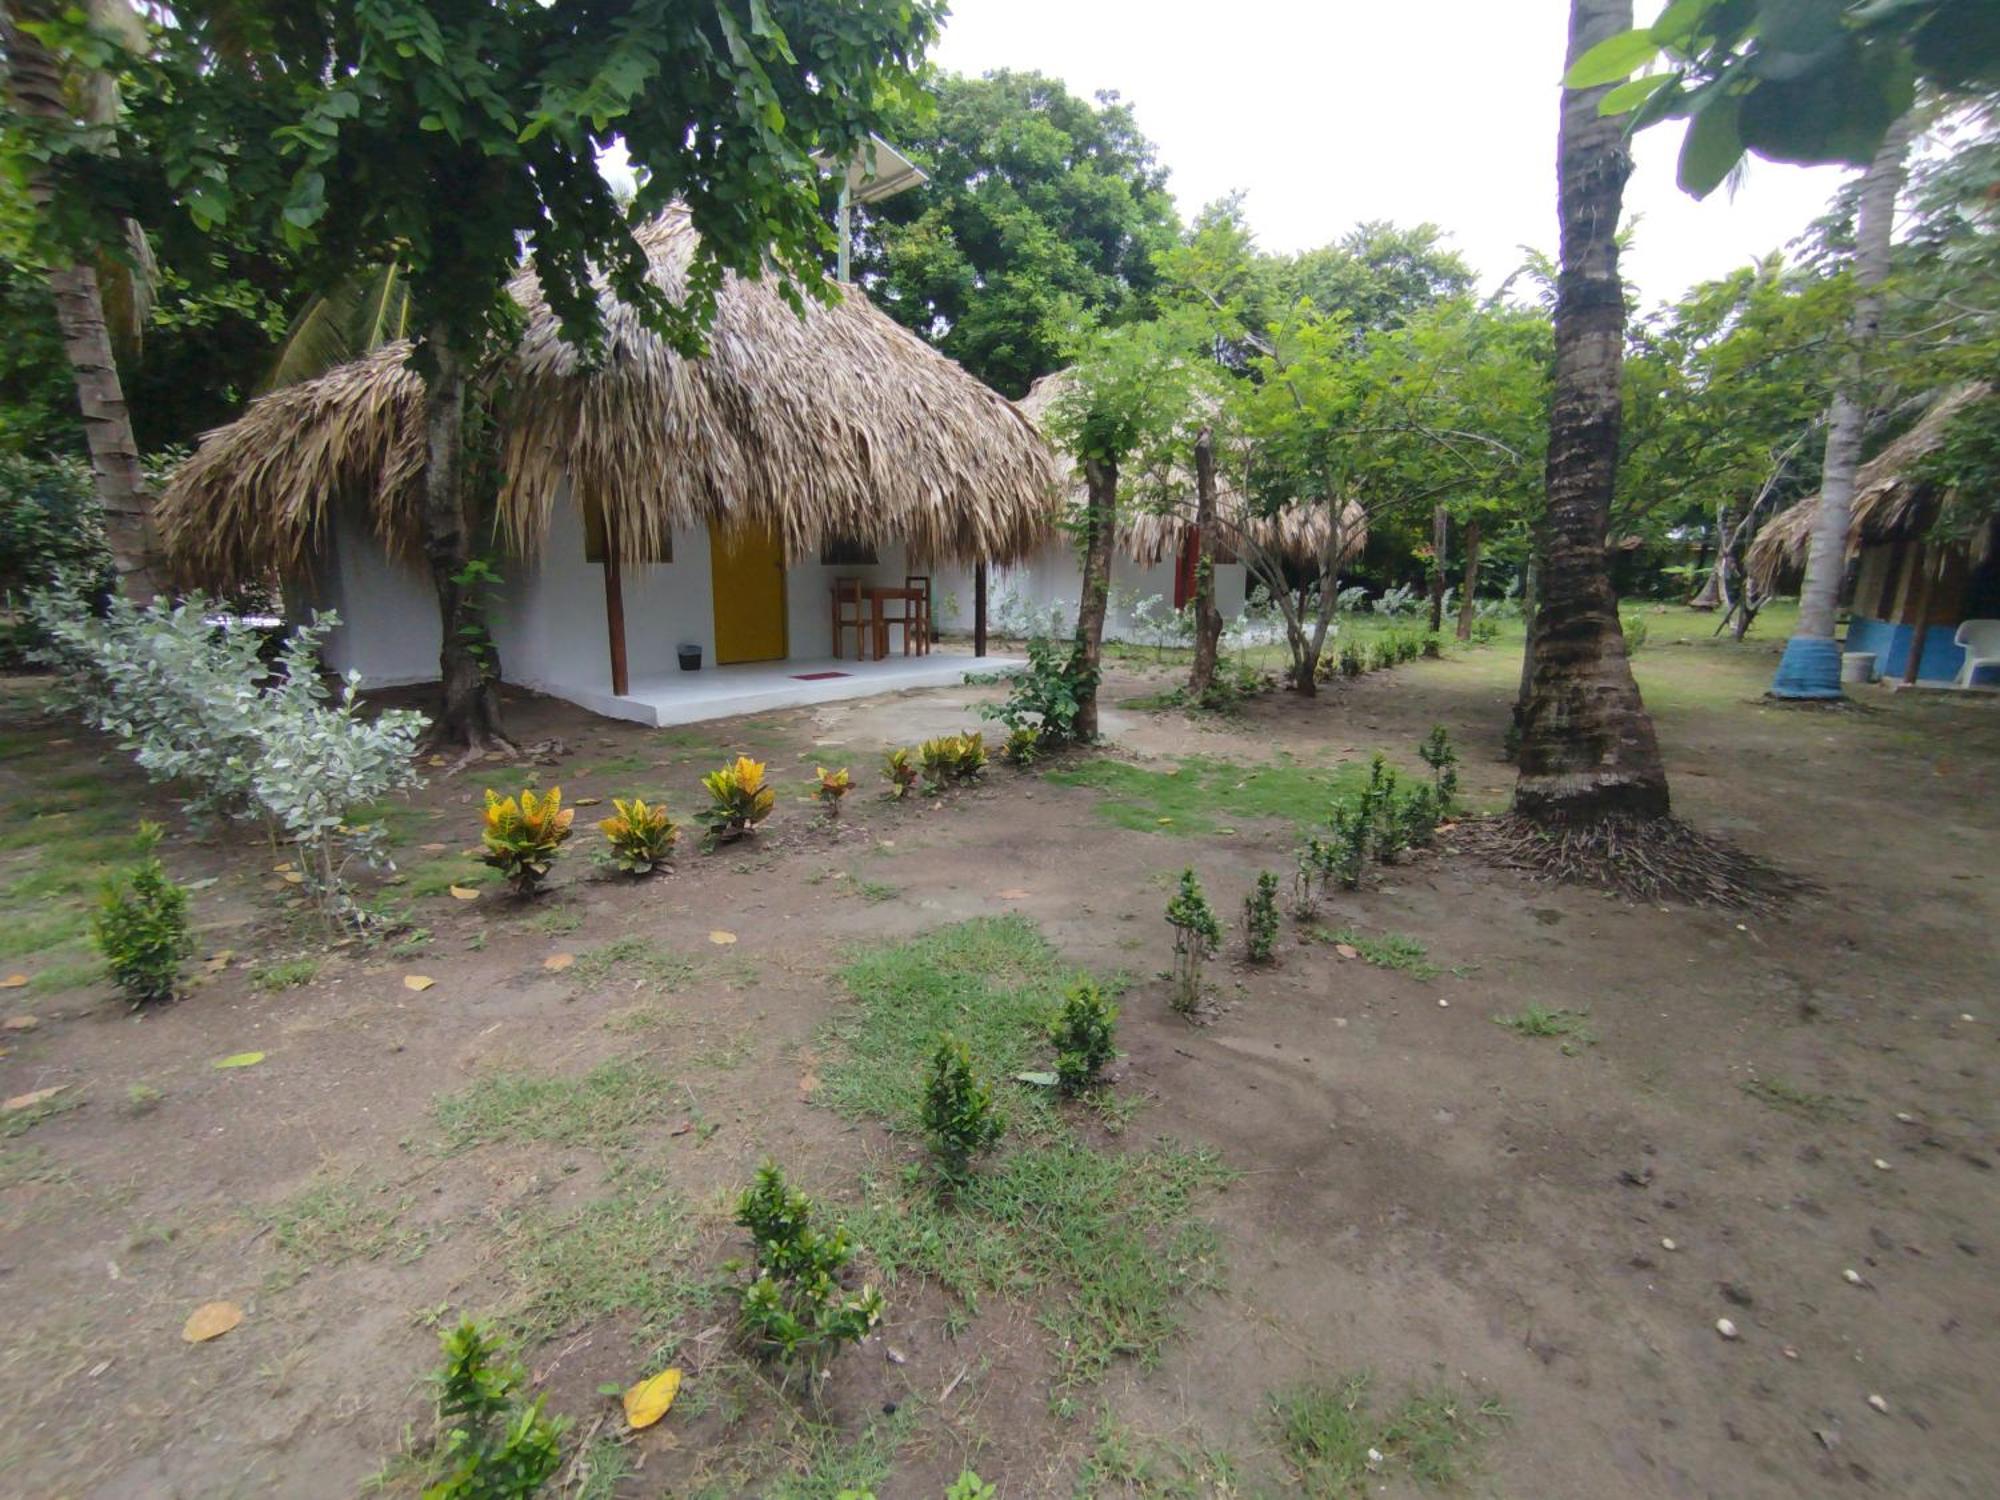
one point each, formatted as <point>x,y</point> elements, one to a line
<point>690,658</point>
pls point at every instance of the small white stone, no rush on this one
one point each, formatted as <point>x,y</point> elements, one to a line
<point>1667,1243</point>
<point>1906,1117</point>
<point>1444,1005</point>
<point>1851,1276</point>
<point>1883,1166</point>
<point>1726,1328</point>
<point>1789,1352</point>
<point>1965,1015</point>
<point>1879,1404</point>
<point>1374,1458</point>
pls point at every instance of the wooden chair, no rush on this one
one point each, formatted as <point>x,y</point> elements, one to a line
<point>920,611</point>
<point>850,612</point>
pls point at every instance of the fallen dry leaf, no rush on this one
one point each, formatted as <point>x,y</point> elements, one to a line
<point>464,893</point>
<point>433,848</point>
<point>217,961</point>
<point>585,801</point>
<point>211,1321</point>
<point>555,963</point>
<point>721,939</point>
<point>649,1400</point>
<point>1014,895</point>
<point>13,981</point>
<point>281,869</point>
<point>437,760</point>
<point>21,1023</point>
<point>293,877</point>
<point>29,1101</point>
<point>238,1060</point>
<point>1347,950</point>
<point>808,1082</point>
<point>418,981</point>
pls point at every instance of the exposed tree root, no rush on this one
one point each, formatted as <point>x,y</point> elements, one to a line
<point>1646,859</point>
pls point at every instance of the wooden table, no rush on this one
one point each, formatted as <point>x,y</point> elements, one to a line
<point>879,594</point>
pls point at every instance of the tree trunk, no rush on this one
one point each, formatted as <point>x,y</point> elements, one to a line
<point>1440,534</point>
<point>1100,523</point>
<point>1465,605</point>
<point>1587,747</point>
<point>1714,589</point>
<point>34,83</point>
<point>468,669</point>
<point>1810,667</point>
<point>1207,618</point>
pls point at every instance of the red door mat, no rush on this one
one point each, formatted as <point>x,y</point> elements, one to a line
<point>817,676</point>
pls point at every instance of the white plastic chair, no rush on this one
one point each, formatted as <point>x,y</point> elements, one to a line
<point>1980,640</point>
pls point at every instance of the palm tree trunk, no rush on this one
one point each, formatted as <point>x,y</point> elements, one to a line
<point>468,672</point>
<point>1207,618</point>
<point>1587,747</point>
<point>1810,667</point>
<point>1100,522</point>
<point>34,85</point>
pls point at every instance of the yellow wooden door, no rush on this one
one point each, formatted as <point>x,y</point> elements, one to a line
<point>747,574</point>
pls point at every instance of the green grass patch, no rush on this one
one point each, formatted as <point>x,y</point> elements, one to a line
<point>874,892</point>
<point>1781,1094</point>
<point>599,1109</point>
<point>341,1219</point>
<point>1150,1468</point>
<point>619,765</point>
<point>1200,794</point>
<point>822,1464</point>
<point>1572,1026</point>
<point>640,961</point>
<point>20,1121</point>
<point>625,1256</point>
<point>556,922</point>
<point>27,934</point>
<point>1104,1245</point>
<point>436,877</point>
<point>55,978</point>
<point>1392,950</point>
<point>286,973</point>
<point>1325,1434</point>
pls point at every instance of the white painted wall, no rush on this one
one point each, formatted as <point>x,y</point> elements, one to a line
<point>1054,575</point>
<point>388,629</point>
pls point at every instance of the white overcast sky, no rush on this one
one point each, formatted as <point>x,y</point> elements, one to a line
<point>1328,112</point>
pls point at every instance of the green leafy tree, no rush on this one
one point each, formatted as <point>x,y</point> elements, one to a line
<point>443,137</point>
<point>1807,81</point>
<point>1040,207</point>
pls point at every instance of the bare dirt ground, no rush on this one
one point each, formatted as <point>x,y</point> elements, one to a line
<point>1417,1192</point>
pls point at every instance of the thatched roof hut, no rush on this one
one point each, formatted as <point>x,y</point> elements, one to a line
<point>1148,536</point>
<point>832,424</point>
<point>1889,499</point>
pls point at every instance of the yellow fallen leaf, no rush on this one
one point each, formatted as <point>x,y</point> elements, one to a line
<point>29,1101</point>
<point>281,869</point>
<point>433,848</point>
<point>437,760</point>
<point>555,963</point>
<point>464,893</point>
<point>293,877</point>
<point>13,981</point>
<point>649,1400</point>
<point>721,939</point>
<point>211,1321</point>
<point>21,1023</point>
<point>238,1060</point>
<point>418,981</point>
<point>585,801</point>
<point>1347,950</point>
<point>217,961</point>
<point>1014,895</point>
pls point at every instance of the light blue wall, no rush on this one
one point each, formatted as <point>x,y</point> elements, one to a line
<point>1941,659</point>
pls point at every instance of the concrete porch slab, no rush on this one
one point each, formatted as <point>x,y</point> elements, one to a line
<point>671,698</point>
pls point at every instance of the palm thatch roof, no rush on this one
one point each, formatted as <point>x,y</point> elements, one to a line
<point>1889,499</point>
<point>834,423</point>
<point>1296,534</point>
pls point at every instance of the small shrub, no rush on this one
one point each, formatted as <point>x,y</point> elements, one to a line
<point>1353,840</point>
<point>1023,746</point>
<point>969,756</point>
<point>899,769</point>
<point>1353,658</point>
<point>1083,1033</point>
<point>1635,634</point>
<point>939,757</point>
<point>1433,647</point>
<point>958,1115</point>
<point>1197,935</point>
<point>496,1446</point>
<point>796,1304</point>
<point>141,927</point>
<point>1416,817</point>
<point>1485,632</point>
<point>1315,866</point>
<point>1046,695</point>
<point>522,836</point>
<point>740,799</point>
<point>1437,752</point>
<point>830,788</point>
<point>1260,920</point>
<point>641,835</point>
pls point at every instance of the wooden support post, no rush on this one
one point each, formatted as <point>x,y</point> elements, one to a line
<point>979,608</point>
<point>614,612</point>
<point>1928,559</point>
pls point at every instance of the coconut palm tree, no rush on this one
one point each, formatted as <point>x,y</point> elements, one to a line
<point>1587,746</point>
<point>1810,667</point>
<point>44,90</point>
